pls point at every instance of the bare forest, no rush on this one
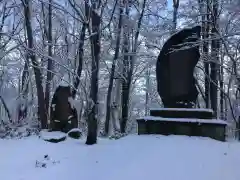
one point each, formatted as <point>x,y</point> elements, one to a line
<point>106,51</point>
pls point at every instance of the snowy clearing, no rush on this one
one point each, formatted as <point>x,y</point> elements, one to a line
<point>130,158</point>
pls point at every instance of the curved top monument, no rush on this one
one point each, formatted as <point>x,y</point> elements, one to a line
<point>175,67</point>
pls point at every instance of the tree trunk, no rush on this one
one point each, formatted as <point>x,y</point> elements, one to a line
<point>80,51</point>
<point>95,50</point>
<point>214,63</point>
<point>24,88</point>
<point>76,81</point>
<point>50,61</point>
<point>175,12</point>
<point>117,102</point>
<point>128,65</point>
<point>110,87</point>
<point>221,83</point>
<point>206,24</point>
<point>146,90</point>
<point>6,109</point>
<point>42,116</point>
<point>22,111</point>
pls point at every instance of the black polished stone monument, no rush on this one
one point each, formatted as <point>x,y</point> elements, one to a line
<point>175,67</point>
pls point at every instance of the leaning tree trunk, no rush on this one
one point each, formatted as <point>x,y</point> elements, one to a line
<point>95,50</point>
<point>42,116</point>
<point>116,55</point>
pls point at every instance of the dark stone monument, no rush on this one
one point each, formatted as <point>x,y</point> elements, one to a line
<point>63,114</point>
<point>177,88</point>
<point>175,67</point>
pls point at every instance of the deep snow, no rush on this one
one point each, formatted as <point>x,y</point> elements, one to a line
<point>133,157</point>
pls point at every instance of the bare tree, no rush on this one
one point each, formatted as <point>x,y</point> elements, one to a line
<point>206,25</point>
<point>127,68</point>
<point>221,83</point>
<point>147,90</point>
<point>128,64</point>
<point>116,55</point>
<point>204,8</point>
<point>22,111</point>
<point>42,114</point>
<point>175,13</point>
<point>95,52</point>
<point>81,44</point>
<point>215,55</point>
<point>50,61</point>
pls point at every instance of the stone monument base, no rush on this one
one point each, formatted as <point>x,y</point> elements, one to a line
<point>190,122</point>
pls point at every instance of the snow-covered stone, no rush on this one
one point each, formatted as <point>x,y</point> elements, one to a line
<point>208,121</point>
<point>75,133</point>
<point>182,109</point>
<point>54,136</point>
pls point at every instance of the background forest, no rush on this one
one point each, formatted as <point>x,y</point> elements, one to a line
<point>106,51</point>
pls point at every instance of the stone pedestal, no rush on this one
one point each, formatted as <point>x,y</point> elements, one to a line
<point>190,122</point>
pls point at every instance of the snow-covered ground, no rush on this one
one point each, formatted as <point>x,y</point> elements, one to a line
<point>129,158</point>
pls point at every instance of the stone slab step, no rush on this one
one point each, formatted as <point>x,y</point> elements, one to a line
<point>182,113</point>
<point>214,128</point>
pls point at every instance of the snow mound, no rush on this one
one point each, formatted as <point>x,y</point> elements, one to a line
<point>54,136</point>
